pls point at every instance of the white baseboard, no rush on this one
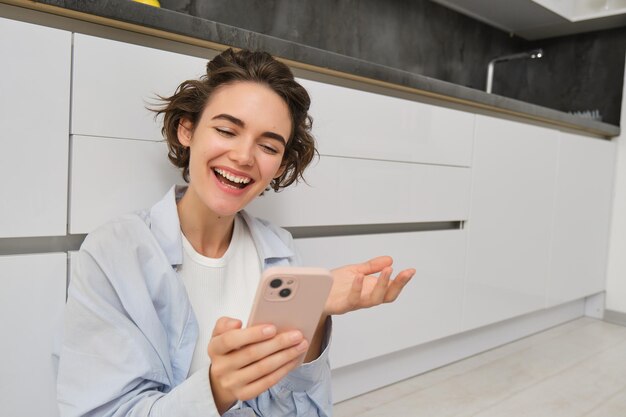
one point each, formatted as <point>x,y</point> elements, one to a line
<point>615,317</point>
<point>362,377</point>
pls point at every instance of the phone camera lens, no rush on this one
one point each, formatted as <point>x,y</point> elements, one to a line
<point>275,283</point>
<point>285,292</point>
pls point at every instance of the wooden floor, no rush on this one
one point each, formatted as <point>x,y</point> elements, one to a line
<point>576,369</point>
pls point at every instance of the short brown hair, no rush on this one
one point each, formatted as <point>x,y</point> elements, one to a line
<point>191,97</point>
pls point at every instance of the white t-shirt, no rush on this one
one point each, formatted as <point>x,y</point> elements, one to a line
<point>220,286</point>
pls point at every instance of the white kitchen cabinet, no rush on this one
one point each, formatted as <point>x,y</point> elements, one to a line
<point>31,307</point>
<point>35,105</point>
<point>113,82</point>
<point>584,191</point>
<point>513,187</point>
<point>429,307</point>
<point>356,191</point>
<point>111,177</point>
<point>354,123</point>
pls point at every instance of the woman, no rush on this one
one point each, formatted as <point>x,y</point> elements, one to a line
<point>153,318</point>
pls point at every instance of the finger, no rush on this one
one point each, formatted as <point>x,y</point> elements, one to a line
<point>255,352</point>
<point>237,338</point>
<point>374,265</point>
<point>354,297</point>
<point>224,324</point>
<point>398,284</point>
<point>378,293</point>
<point>268,371</point>
<point>255,388</point>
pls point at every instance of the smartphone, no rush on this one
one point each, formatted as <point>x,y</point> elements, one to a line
<point>291,298</point>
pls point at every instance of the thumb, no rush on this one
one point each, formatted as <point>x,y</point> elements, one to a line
<point>225,324</point>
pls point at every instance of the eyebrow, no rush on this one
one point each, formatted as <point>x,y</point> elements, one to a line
<point>240,123</point>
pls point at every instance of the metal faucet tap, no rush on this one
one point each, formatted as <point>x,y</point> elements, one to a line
<point>535,53</point>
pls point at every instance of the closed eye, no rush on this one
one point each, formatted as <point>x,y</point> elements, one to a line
<point>269,149</point>
<point>225,132</point>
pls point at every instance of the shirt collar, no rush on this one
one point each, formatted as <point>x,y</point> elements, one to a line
<point>268,243</point>
<point>165,226</point>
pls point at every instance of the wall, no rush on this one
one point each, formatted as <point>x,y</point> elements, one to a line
<point>416,36</point>
<point>425,38</point>
<point>577,73</point>
<point>616,269</point>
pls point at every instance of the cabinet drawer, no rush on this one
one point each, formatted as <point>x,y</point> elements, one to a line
<point>356,191</point>
<point>31,304</point>
<point>111,177</point>
<point>113,82</point>
<point>429,307</point>
<point>35,109</point>
<point>354,123</point>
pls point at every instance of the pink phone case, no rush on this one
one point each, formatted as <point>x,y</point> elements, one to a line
<point>291,298</point>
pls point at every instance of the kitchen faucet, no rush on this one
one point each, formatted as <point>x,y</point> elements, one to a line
<point>535,53</point>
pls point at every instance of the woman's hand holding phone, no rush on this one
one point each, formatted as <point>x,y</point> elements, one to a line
<point>283,319</point>
<point>247,362</point>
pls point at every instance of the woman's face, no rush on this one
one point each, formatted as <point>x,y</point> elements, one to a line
<point>237,146</point>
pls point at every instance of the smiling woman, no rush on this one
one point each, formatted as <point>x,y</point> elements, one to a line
<point>258,68</point>
<point>155,307</point>
<point>236,148</point>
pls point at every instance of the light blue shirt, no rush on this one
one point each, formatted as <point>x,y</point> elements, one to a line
<point>130,331</point>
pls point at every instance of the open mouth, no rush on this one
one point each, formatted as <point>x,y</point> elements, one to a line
<point>232,180</point>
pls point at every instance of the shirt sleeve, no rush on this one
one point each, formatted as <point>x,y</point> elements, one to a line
<point>304,392</point>
<point>107,366</point>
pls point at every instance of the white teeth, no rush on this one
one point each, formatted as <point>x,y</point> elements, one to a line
<point>231,177</point>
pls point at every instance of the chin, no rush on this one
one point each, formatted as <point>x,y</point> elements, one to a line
<point>225,210</point>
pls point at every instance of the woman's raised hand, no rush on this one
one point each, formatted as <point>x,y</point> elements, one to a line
<point>355,286</point>
<point>247,362</point>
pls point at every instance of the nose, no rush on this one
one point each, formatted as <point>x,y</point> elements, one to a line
<point>243,152</point>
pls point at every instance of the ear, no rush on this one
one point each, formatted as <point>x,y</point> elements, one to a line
<point>185,132</point>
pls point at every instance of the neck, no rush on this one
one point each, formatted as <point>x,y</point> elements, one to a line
<point>208,232</point>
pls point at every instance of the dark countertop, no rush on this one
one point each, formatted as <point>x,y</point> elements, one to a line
<point>194,27</point>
